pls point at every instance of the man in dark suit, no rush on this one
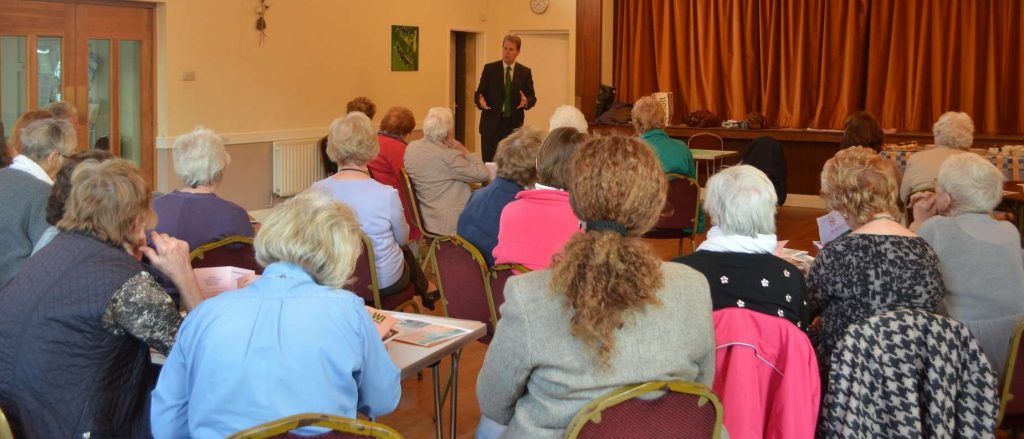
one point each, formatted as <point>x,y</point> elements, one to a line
<point>504,94</point>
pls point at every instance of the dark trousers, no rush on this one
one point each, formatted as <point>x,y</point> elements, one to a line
<point>490,143</point>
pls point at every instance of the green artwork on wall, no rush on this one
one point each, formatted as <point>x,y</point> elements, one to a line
<point>405,48</point>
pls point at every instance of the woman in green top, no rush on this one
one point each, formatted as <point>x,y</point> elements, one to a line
<point>674,155</point>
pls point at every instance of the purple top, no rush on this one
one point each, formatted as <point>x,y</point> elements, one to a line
<point>200,218</point>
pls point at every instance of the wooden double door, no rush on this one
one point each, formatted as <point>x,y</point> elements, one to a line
<point>97,55</point>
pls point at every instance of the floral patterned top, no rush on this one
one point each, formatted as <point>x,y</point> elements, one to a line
<point>142,309</point>
<point>858,276</point>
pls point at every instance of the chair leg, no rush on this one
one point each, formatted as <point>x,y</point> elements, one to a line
<point>679,248</point>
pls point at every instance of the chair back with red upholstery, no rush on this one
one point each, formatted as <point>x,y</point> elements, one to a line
<point>463,280</point>
<point>678,409</point>
<point>682,208</point>
<point>705,141</point>
<point>1011,401</point>
<point>339,428</point>
<point>236,251</point>
<point>766,375</point>
<point>365,284</point>
<point>499,275</point>
<point>414,204</point>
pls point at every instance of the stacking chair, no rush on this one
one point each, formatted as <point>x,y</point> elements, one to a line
<point>706,141</point>
<point>365,284</point>
<point>684,409</point>
<point>231,251</point>
<point>341,428</point>
<point>1011,401</point>
<point>414,204</point>
<point>682,207</point>
<point>463,279</point>
<point>499,275</point>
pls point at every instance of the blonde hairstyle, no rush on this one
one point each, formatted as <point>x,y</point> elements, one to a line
<point>363,105</point>
<point>605,275</point>
<point>46,136</point>
<point>516,156</point>
<point>514,39</point>
<point>315,232</point>
<point>398,121</point>
<point>106,201</point>
<point>568,116</point>
<point>26,119</point>
<point>741,201</point>
<point>973,183</point>
<point>200,157</point>
<point>954,130</point>
<point>860,184</point>
<point>647,115</point>
<point>351,140</point>
<point>438,123</point>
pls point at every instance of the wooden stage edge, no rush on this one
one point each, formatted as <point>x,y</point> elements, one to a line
<point>806,149</point>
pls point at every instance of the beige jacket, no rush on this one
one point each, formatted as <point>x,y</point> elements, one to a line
<point>537,376</point>
<point>923,168</point>
<point>441,177</point>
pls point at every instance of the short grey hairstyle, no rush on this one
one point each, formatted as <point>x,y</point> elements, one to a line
<point>44,137</point>
<point>200,157</point>
<point>315,232</point>
<point>438,123</point>
<point>973,183</point>
<point>954,130</point>
<point>62,110</point>
<point>568,116</point>
<point>352,139</point>
<point>741,201</point>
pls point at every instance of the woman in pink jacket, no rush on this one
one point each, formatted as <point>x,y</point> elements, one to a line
<point>540,221</point>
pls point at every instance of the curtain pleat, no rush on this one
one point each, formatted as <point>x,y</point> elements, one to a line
<point>810,63</point>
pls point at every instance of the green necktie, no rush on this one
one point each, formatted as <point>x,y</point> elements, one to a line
<point>506,110</point>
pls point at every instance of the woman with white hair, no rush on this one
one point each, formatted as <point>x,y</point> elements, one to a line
<point>738,256</point>
<point>954,134</point>
<point>351,144</point>
<point>441,170</point>
<point>194,213</point>
<point>568,116</point>
<point>980,258</point>
<point>291,342</point>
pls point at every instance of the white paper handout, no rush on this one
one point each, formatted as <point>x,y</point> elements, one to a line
<point>832,226</point>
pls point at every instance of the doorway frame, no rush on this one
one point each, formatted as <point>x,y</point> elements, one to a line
<point>481,56</point>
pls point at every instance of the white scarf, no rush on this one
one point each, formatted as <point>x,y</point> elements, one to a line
<point>30,167</point>
<point>718,241</point>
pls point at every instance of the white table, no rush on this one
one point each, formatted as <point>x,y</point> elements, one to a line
<point>412,359</point>
<point>712,159</point>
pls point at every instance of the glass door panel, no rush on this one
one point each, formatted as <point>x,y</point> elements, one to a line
<point>98,70</point>
<point>48,65</point>
<point>130,100</point>
<point>13,80</point>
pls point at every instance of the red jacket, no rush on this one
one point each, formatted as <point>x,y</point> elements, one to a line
<point>385,169</point>
<point>535,227</point>
<point>766,375</point>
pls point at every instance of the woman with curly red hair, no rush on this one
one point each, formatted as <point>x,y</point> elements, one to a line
<point>608,313</point>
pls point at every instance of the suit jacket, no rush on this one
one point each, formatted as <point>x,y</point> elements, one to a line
<point>441,177</point>
<point>537,375</point>
<point>492,88</point>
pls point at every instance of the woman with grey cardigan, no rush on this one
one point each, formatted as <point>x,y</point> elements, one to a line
<point>608,313</point>
<point>981,259</point>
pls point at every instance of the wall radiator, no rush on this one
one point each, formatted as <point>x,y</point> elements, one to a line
<point>297,165</point>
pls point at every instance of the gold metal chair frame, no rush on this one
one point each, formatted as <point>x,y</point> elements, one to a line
<point>375,284</point>
<point>200,252</point>
<point>591,413</point>
<point>1006,395</point>
<point>696,213</point>
<point>336,423</point>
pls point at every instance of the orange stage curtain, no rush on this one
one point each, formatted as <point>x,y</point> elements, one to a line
<point>809,63</point>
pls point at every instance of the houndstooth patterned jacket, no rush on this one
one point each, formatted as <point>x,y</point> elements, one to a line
<point>909,374</point>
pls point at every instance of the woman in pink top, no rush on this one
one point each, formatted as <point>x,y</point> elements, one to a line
<point>398,122</point>
<point>540,221</point>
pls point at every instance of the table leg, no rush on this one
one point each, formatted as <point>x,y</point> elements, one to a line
<point>454,380</point>
<point>437,401</point>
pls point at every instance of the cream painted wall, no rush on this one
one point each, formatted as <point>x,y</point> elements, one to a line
<point>318,55</point>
